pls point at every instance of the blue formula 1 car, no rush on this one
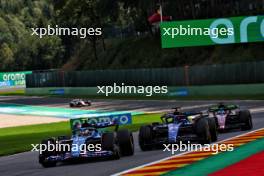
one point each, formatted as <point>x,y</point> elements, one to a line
<point>178,126</point>
<point>88,141</point>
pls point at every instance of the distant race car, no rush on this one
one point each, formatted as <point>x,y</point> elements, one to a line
<point>178,126</point>
<point>229,116</point>
<point>80,103</point>
<point>113,144</point>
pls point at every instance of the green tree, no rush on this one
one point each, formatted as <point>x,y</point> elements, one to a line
<point>6,56</point>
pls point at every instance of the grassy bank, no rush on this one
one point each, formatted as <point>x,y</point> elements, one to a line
<point>19,139</point>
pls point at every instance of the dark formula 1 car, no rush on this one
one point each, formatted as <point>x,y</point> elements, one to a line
<point>178,126</point>
<point>90,141</point>
<point>80,103</point>
<point>230,117</point>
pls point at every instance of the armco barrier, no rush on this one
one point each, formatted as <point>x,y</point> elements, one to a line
<point>198,75</point>
<point>224,90</point>
<point>191,91</point>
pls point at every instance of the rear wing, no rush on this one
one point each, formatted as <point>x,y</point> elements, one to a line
<point>101,122</point>
<point>225,107</point>
<point>104,126</point>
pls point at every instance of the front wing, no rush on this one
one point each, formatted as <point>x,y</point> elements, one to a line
<point>68,156</point>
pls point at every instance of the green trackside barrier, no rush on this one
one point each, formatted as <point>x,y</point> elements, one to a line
<point>190,91</point>
<point>215,90</point>
<point>197,75</point>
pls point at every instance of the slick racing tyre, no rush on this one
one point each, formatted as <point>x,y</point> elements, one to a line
<point>88,103</point>
<point>213,129</point>
<point>245,117</point>
<point>203,131</point>
<point>126,142</point>
<point>109,144</point>
<point>47,153</point>
<point>145,138</point>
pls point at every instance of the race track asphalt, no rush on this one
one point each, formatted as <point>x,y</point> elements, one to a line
<point>26,164</point>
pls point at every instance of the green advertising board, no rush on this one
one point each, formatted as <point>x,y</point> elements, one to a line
<point>13,79</point>
<point>212,31</point>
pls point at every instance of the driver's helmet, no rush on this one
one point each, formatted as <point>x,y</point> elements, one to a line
<point>177,111</point>
<point>181,118</point>
<point>86,132</point>
<point>221,111</point>
<point>77,125</point>
<point>85,124</point>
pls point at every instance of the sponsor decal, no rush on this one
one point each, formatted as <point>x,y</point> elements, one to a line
<point>212,31</point>
<point>6,83</point>
<point>57,92</point>
<point>121,119</point>
<point>179,92</point>
<point>13,79</point>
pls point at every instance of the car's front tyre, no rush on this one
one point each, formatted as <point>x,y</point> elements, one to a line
<point>47,153</point>
<point>213,129</point>
<point>145,138</point>
<point>109,144</point>
<point>245,117</point>
<point>126,142</point>
<point>203,131</point>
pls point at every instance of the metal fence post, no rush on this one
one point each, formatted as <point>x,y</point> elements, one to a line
<point>186,75</point>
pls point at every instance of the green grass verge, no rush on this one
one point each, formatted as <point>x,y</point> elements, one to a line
<point>19,139</point>
<point>13,92</point>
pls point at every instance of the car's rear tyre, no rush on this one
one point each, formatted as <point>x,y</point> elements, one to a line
<point>203,131</point>
<point>213,129</point>
<point>245,117</point>
<point>109,144</point>
<point>47,153</point>
<point>145,138</point>
<point>88,103</point>
<point>126,142</point>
